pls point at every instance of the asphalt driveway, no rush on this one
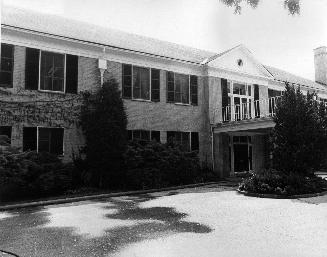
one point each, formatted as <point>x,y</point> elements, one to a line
<point>207,221</point>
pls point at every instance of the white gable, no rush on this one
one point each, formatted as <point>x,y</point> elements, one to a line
<point>240,60</point>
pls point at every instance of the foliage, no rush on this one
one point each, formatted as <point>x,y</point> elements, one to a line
<point>293,6</point>
<point>104,122</point>
<point>275,182</point>
<point>156,165</point>
<point>31,175</point>
<point>300,134</point>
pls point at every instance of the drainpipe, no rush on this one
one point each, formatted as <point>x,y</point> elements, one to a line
<point>102,65</point>
<point>212,150</point>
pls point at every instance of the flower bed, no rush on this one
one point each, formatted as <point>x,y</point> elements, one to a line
<point>277,183</point>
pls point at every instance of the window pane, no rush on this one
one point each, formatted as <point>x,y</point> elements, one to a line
<point>249,90</point>
<point>52,68</point>
<point>170,76</point>
<point>141,83</point>
<point>5,78</point>
<point>185,141</point>
<point>129,135</point>
<point>182,88</point>
<point>145,135</point>
<point>238,89</point>
<point>6,50</point>
<point>6,64</point>
<point>44,140</point>
<point>155,135</point>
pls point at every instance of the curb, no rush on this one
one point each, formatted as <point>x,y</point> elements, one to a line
<point>273,196</point>
<point>98,196</point>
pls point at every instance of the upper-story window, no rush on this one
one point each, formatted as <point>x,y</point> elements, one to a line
<point>48,71</point>
<point>52,71</point>
<point>274,93</point>
<point>182,88</point>
<point>7,64</point>
<point>141,83</point>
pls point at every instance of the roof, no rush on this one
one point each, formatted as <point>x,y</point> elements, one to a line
<point>59,26</point>
<point>78,30</point>
<point>284,76</point>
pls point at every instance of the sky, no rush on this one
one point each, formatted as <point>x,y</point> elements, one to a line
<point>275,37</point>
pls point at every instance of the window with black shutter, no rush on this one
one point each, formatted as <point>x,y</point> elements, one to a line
<point>7,65</point>
<point>71,73</point>
<point>194,141</point>
<point>6,131</point>
<point>29,138</point>
<point>155,136</point>
<point>127,81</point>
<point>51,140</point>
<point>170,87</point>
<point>155,85</point>
<point>194,90</point>
<point>32,69</point>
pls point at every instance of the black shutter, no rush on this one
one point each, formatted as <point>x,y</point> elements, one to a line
<point>256,101</point>
<point>194,90</point>
<point>56,143</point>
<point>194,141</point>
<point>71,73</point>
<point>29,138</point>
<point>170,87</point>
<point>127,81</point>
<point>155,85</point>
<point>32,68</point>
<point>224,92</point>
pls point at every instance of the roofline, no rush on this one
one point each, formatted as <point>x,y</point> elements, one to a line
<point>7,26</point>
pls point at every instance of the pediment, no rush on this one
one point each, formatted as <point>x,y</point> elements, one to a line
<point>239,59</point>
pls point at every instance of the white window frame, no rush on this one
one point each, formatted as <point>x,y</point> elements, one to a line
<point>37,138</point>
<point>150,89</point>
<point>65,66</point>
<point>248,97</point>
<point>189,88</point>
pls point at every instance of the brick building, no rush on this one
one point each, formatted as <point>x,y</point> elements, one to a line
<point>220,104</point>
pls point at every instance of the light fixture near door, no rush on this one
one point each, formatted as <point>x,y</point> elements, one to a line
<point>240,62</point>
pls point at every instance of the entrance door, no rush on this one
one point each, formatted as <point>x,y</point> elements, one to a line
<point>242,153</point>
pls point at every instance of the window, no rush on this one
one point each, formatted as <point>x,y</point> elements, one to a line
<point>6,131</point>
<point>141,83</point>
<point>187,140</point>
<point>144,135</point>
<point>274,93</point>
<point>51,140</point>
<point>7,64</point>
<point>50,71</point>
<point>239,89</point>
<point>43,139</point>
<point>182,88</point>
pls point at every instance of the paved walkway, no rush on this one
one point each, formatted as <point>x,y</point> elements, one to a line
<point>207,221</point>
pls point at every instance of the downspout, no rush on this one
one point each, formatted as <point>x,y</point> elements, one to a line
<point>212,150</point>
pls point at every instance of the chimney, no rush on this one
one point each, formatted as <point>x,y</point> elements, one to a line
<point>321,64</point>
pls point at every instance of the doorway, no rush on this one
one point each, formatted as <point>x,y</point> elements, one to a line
<point>241,154</point>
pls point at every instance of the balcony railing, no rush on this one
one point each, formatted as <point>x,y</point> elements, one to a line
<point>250,110</point>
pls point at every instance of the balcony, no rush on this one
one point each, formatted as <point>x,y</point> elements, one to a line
<point>248,111</point>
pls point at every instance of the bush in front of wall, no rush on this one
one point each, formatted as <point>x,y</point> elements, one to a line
<point>26,175</point>
<point>156,165</point>
<point>103,120</point>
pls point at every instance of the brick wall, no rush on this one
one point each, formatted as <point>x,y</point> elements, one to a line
<point>160,116</point>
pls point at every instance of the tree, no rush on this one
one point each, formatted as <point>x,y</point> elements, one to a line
<point>300,135</point>
<point>293,6</point>
<point>104,122</point>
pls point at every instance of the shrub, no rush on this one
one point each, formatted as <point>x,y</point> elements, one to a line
<point>276,182</point>
<point>156,165</point>
<point>31,175</point>
<point>104,122</point>
<point>300,134</point>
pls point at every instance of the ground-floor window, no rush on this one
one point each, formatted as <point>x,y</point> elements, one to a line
<point>144,135</point>
<point>43,139</point>
<point>6,131</point>
<point>188,140</point>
